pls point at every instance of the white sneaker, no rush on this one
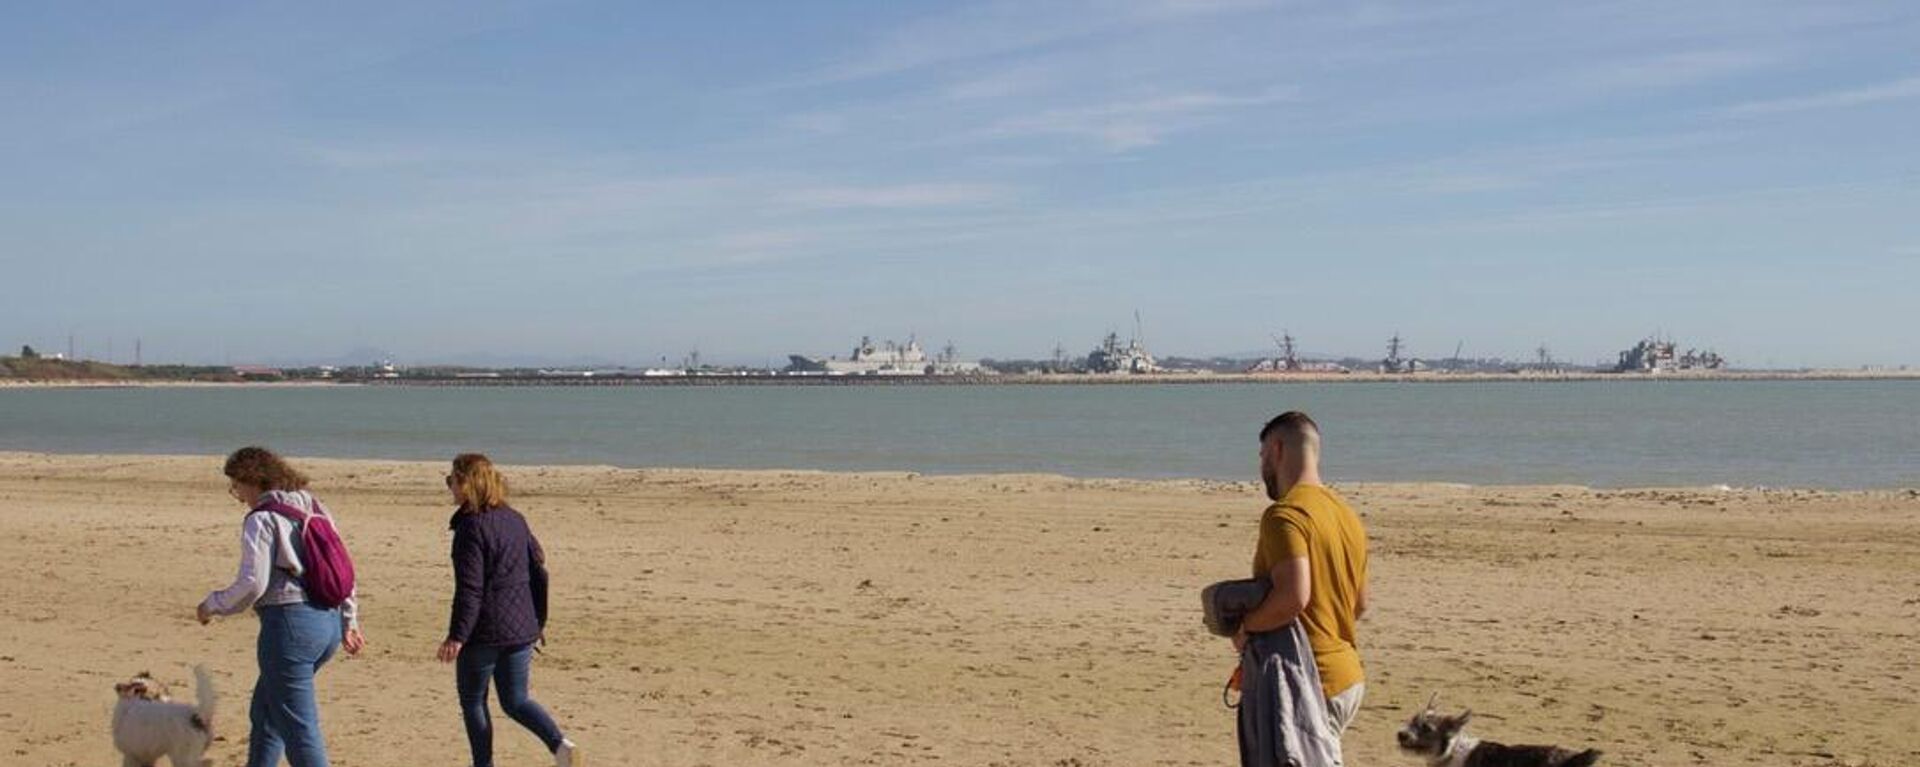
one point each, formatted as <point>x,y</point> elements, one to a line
<point>567,755</point>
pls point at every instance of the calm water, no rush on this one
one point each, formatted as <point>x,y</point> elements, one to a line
<point>1842,434</point>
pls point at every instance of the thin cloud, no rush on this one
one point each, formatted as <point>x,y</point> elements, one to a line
<point>1027,77</point>
<point>1474,183</point>
<point>376,158</point>
<point>1840,99</point>
<point>895,197</point>
<point>746,248</point>
<point>818,123</point>
<point>1675,69</point>
<point>1120,126</point>
<point>1798,197</point>
<point>1001,28</point>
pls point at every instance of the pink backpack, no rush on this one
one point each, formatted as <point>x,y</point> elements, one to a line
<point>329,570</point>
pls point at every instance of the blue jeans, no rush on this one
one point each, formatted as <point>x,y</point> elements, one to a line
<point>295,641</point>
<point>509,669</point>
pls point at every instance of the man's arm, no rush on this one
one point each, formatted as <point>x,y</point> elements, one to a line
<point>1292,587</point>
<point>1360,602</point>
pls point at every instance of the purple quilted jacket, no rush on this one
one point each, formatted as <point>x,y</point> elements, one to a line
<point>499,580</point>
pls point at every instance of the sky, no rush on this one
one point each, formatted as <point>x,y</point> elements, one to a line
<point>625,182</point>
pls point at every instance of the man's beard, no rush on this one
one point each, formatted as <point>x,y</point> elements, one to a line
<point>1269,476</point>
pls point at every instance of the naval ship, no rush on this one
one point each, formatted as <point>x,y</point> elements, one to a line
<point>885,359</point>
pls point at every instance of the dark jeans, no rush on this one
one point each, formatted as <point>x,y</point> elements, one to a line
<point>508,668</point>
<point>295,641</point>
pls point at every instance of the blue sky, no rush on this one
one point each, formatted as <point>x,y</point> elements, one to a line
<point>622,181</point>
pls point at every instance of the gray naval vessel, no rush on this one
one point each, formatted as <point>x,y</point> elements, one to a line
<point>886,358</point>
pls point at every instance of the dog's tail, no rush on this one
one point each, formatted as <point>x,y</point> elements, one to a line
<point>1585,758</point>
<point>204,696</point>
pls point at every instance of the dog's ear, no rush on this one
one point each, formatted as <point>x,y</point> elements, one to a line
<point>1466,714</point>
<point>1432,699</point>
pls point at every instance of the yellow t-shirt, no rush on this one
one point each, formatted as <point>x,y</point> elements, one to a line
<point>1315,523</point>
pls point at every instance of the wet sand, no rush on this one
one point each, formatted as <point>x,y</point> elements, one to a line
<point>801,618</point>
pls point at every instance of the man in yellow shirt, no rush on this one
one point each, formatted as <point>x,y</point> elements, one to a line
<point>1314,548</point>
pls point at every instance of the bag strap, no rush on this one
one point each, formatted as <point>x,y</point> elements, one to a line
<point>286,510</point>
<point>1232,686</point>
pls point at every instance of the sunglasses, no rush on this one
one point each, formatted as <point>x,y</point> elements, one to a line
<point>449,480</point>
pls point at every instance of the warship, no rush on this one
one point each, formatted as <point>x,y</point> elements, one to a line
<point>886,358</point>
<point>1653,355</point>
<point>1289,360</point>
<point>1396,364</point>
<point>1113,357</point>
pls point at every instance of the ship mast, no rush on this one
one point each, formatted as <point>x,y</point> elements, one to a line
<point>1288,360</point>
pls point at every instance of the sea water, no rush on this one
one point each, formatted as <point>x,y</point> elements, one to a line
<point>1834,434</point>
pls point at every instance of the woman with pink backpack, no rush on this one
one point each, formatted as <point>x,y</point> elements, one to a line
<point>296,576</point>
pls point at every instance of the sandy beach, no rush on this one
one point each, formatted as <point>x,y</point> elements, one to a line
<point>796,618</point>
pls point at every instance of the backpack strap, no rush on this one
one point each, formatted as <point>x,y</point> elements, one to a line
<point>287,510</point>
<point>291,513</point>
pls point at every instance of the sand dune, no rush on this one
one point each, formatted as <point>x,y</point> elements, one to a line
<point>745,618</point>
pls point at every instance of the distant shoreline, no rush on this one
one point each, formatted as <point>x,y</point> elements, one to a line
<point>10,383</point>
<point>1151,379</point>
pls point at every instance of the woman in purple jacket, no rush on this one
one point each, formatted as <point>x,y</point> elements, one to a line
<point>499,610</point>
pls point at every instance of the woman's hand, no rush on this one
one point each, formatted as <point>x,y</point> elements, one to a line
<point>449,651</point>
<point>204,615</point>
<point>354,641</point>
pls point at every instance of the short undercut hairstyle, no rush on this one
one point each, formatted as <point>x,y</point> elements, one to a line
<point>1291,423</point>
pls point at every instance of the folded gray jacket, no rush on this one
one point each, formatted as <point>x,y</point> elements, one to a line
<point>1283,711</point>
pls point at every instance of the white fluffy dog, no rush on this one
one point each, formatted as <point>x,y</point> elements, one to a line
<point>148,725</point>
